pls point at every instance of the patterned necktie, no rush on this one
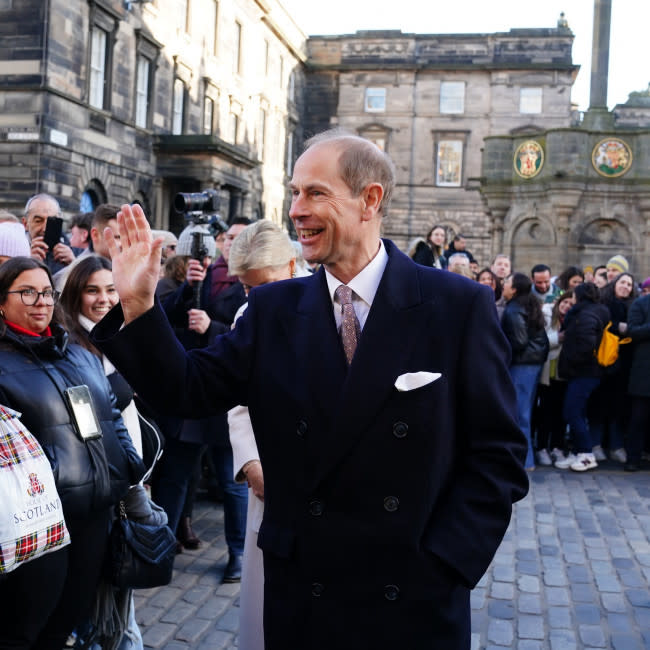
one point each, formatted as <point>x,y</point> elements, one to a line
<point>350,328</point>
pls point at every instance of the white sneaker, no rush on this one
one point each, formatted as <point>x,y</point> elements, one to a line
<point>619,455</point>
<point>566,462</point>
<point>584,462</point>
<point>557,454</point>
<point>543,458</point>
<point>598,453</point>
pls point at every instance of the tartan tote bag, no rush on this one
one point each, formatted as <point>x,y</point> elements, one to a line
<point>31,515</point>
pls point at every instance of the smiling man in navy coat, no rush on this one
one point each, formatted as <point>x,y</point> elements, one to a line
<point>389,481</point>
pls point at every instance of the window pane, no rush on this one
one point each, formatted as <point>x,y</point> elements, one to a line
<point>237,51</point>
<point>142,93</point>
<point>207,116</point>
<point>452,97</point>
<point>177,113</point>
<point>450,163</point>
<point>375,100</point>
<point>97,67</point>
<point>530,100</point>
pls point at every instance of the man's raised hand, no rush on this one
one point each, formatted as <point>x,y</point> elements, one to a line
<point>136,261</point>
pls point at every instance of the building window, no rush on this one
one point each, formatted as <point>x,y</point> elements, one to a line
<point>98,57</point>
<point>211,20</point>
<point>530,100</point>
<point>292,87</point>
<point>186,15</point>
<point>237,50</point>
<point>262,135</point>
<point>208,112</point>
<point>290,147</point>
<point>178,107</point>
<point>449,167</point>
<point>142,92</point>
<point>452,97</point>
<point>375,100</point>
<point>234,127</point>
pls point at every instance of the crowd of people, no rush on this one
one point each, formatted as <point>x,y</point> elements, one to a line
<point>573,410</point>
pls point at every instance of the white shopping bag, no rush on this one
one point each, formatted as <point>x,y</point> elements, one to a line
<point>31,515</point>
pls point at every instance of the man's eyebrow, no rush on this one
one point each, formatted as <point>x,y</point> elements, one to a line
<point>310,187</point>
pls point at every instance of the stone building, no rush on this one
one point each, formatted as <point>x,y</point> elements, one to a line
<point>430,101</point>
<point>575,195</point>
<point>136,100</point>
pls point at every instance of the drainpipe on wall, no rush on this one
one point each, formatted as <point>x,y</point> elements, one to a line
<point>409,217</point>
<point>39,144</point>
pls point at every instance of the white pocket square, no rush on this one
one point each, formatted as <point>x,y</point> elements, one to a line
<point>413,380</point>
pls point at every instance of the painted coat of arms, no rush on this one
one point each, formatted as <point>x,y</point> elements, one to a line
<point>528,159</point>
<point>611,157</point>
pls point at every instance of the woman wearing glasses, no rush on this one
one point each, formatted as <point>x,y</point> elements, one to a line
<point>67,403</point>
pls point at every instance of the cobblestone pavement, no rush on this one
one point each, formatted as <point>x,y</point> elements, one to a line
<point>572,572</point>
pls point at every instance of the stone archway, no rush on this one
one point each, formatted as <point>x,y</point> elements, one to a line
<point>602,238</point>
<point>532,242</point>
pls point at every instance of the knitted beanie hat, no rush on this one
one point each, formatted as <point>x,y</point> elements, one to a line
<point>646,283</point>
<point>13,240</point>
<point>619,263</point>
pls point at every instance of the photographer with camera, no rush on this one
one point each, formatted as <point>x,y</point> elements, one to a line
<point>200,309</point>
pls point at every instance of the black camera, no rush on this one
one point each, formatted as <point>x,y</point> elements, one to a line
<point>206,201</point>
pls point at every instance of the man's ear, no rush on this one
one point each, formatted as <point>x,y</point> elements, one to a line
<point>94,234</point>
<point>372,196</point>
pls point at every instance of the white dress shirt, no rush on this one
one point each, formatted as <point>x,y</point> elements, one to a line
<point>364,287</point>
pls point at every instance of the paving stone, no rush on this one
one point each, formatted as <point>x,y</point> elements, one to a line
<point>530,604</point>
<point>217,640</point>
<point>559,617</point>
<point>530,627</point>
<point>557,595</point>
<point>614,602</point>
<point>178,614</point>
<point>625,641</point>
<point>563,640</point>
<point>638,597</point>
<point>592,635</point>
<point>155,636</point>
<point>528,584</point>
<point>500,632</point>
<point>229,621</point>
<point>214,607</point>
<point>192,630</point>
<point>501,609</point>
<point>502,590</point>
<point>477,598</point>
<point>504,573</point>
<point>608,583</point>
<point>167,597</point>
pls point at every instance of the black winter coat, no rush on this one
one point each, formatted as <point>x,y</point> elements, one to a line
<point>529,346</point>
<point>638,328</point>
<point>583,329</point>
<point>34,372</point>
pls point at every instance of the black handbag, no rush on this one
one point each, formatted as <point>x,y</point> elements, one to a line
<point>140,555</point>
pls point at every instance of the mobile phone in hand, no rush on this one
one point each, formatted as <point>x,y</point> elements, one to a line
<point>53,230</point>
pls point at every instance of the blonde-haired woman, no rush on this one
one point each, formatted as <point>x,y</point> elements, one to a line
<point>262,253</point>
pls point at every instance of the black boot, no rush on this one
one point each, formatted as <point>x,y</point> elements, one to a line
<point>233,569</point>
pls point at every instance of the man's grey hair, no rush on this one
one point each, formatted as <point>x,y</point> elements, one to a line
<point>499,256</point>
<point>361,162</point>
<point>259,246</point>
<point>42,197</point>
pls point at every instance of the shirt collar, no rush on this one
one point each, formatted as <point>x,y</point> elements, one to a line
<point>366,282</point>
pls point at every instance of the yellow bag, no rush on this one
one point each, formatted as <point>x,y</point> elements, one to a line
<point>607,352</point>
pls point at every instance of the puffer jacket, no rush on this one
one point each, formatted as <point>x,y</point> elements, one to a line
<point>529,346</point>
<point>583,330</point>
<point>34,372</point>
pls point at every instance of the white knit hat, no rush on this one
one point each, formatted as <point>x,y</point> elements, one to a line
<point>13,240</point>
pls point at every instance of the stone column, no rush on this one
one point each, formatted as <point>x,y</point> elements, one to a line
<point>644,208</point>
<point>600,54</point>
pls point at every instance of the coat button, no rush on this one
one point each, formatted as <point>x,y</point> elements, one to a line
<point>391,592</point>
<point>301,429</point>
<point>400,429</point>
<point>317,589</point>
<point>316,508</point>
<point>391,504</point>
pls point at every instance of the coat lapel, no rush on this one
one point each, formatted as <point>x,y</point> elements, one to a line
<point>387,348</point>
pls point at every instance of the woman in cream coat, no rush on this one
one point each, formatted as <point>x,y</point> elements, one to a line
<point>260,254</point>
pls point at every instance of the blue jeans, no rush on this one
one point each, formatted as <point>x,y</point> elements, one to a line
<point>175,471</point>
<point>575,411</point>
<point>525,378</point>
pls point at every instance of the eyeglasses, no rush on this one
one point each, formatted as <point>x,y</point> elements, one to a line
<point>30,296</point>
